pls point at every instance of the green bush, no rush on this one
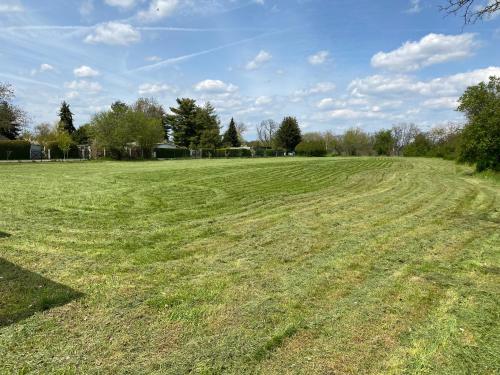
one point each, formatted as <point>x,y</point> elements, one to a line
<point>233,153</point>
<point>269,152</point>
<point>172,153</point>
<point>15,150</point>
<point>311,148</point>
<point>57,153</point>
<point>259,151</point>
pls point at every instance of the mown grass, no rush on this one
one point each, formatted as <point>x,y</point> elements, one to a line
<point>303,266</point>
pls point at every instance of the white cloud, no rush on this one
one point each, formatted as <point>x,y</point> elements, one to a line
<point>154,89</point>
<point>261,2</point>
<point>326,103</point>
<point>114,33</point>
<point>454,85</point>
<point>43,68</point>
<point>318,88</point>
<point>46,67</point>
<point>83,86</point>
<point>415,7</point>
<point>261,58</point>
<point>216,86</point>
<point>262,100</point>
<point>445,102</point>
<point>322,87</point>
<point>11,7</point>
<point>157,10</point>
<point>121,3</point>
<point>153,58</point>
<point>85,71</point>
<point>350,114</point>
<point>431,49</point>
<point>318,58</point>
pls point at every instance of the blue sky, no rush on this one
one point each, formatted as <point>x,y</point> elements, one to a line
<point>332,64</point>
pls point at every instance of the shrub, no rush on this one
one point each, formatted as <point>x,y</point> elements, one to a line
<point>57,153</point>
<point>172,153</point>
<point>311,148</point>
<point>233,153</point>
<point>259,151</point>
<point>15,150</point>
<point>269,152</point>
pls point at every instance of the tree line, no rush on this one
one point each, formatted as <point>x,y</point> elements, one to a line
<point>140,126</point>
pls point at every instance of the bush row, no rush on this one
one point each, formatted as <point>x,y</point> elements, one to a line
<point>233,153</point>
<point>268,152</point>
<point>311,148</point>
<point>172,153</point>
<point>15,150</point>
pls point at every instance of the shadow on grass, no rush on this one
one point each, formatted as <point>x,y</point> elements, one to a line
<point>23,293</point>
<point>4,235</point>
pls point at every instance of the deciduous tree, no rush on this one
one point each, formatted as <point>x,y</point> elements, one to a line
<point>383,142</point>
<point>481,135</point>
<point>266,132</point>
<point>12,118</point>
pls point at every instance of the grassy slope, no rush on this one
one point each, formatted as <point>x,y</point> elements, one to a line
<point>241,266</point>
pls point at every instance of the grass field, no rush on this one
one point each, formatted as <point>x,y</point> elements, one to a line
<point>300,266</point>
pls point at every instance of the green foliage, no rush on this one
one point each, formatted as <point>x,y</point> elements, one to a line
<point>274,152</point>
<point>57,153</point>
<point>311,148</point>
<point>183,122</point>
<point>15,150</point>
<point>355,142</point>
<point>83,134</point>
<point>288,135</point>
<point>12,118</point>
<point>64,142</point>
<point>172,153</point>
<point>121,126</point>
<point>66,118</point>
<point>153,110</point>
<point>480,142</point>
<point>231,137</point>
<point>384,142</point>
<point>233,153</point>
<point>421,146</point>
<point>207,128</point>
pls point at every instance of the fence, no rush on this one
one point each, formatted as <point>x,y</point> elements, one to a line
<point>24,150</point>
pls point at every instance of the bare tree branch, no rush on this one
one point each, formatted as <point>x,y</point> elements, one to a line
<point>470,9</point>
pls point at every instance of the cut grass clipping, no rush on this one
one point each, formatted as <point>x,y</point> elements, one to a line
<point>307,266</point>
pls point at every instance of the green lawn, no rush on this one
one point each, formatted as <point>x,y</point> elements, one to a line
<point>299,266</point>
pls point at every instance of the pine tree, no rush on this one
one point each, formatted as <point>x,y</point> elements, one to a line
<point>183,122</point>
<point>66,118</point>
<point>207,127</point>
<point>288,135</point>
<point>231,138</point>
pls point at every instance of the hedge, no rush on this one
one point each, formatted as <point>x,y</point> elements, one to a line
<point>233,153</point>
<point>15,150</point>
<point>268,152</point>
<point>172,153</point>
<point>311,148</point>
